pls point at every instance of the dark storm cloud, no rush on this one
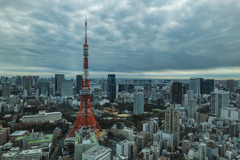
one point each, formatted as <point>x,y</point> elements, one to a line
<point>131,36</point>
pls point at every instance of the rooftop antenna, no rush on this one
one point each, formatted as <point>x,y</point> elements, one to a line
<point>113,70</point>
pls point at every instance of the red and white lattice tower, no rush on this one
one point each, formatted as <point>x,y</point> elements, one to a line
<point>85,116</point>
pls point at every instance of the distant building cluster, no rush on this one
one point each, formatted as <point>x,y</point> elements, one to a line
<point>183,119</point>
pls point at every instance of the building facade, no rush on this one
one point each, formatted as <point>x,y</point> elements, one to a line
<point>97,153</point>
<point>138,103</point>
<point>58,82</point>
<point>112,87</point>
<point>27,84</point>
<point>4,133</point>
<point>6,89</point>
<point>172,117</point>
<point>195,85</point>
<point>67,88</point>
<point>219,99</point>
<point>42,117</point>
<point>78,83</point>
<point>177,93</point>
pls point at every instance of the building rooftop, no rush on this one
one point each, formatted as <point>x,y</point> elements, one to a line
<point>34,151</point>
<point>96,151</point>
<point>11,154</point>
<point>19,133</point>
<point>46,138</point>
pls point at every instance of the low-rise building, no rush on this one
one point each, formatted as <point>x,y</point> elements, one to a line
<point>17,134</point>
<point>42,116</point>
<point>125,132</point>
<point>97,153</point>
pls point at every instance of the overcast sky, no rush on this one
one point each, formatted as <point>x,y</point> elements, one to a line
<point>155,38</point>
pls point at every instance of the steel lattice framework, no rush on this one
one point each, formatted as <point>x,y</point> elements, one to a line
<point>85,116</point>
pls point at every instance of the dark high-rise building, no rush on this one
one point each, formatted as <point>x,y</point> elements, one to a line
<point>121,87</point>
<point>44,88</point>
<point>112,86</point>
<point>19,80</point>
<point>148,87</point>
<point>27,84</point>
<point>177,93</point>
<point>58,82</point>
<point>185,88</point>
<point>6,89</point>
<point>78,83</point>
<point>208,86</point>
<point>230,84</point>
<point>201,85</point>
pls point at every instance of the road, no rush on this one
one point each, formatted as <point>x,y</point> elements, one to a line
<point>57,150</point>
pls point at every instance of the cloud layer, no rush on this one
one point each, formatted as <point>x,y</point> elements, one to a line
<point>138,38</point>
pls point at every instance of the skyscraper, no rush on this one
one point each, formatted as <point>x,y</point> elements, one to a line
<point>148,87</point>
<point>103,85</point>
<point>3,79</point>
<point>19,80</point>
<point>185,87</point>
<point>219,99</point>
<point>112,86</point>
<point>230,84</point>
<point>177,93</point>
<point>185,100</point>
<point>172,117</point>
<point>27,84</point>
<point>207,86</point>
<point>6,89</point>
<point>194,84</point>
<point>138,103</point>
<point>95,96</point>
<point>58,80</point>
<point>121,87</point>
<point>43,88</point>
<point>202,150</point>
<point>67,88</point>
<point>192,108</point>
<point>36,79</point>
<point>190,94</point>
<point>78,83</point>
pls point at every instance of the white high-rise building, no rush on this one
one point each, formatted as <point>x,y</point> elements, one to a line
<point>149,127</point>
<point>219,99</point>
<point>190,94</point>
<point>103,85</point>
<point>185,100</point>
<point>230,113</point>
<point>202,150</point>
<point>192,108</point>
<point>138,103</point>
<point>126,147</point>
<point>195,85</point>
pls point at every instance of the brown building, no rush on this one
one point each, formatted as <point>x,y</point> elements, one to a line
<point>17,134</point>
<point>4,133</point>
<point>230,84</point>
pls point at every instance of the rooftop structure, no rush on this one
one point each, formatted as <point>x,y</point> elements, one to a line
<point>97,153</point>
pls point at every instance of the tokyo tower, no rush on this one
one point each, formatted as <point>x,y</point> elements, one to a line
<point>85,116</point>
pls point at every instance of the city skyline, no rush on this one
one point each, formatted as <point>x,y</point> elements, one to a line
<point>173,39</point>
